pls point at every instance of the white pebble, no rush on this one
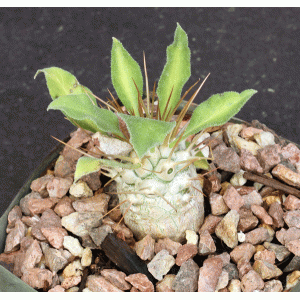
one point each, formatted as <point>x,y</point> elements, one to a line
<point>80,189</point>
<point>86,258</point>
<point>264,138</point>
<point>238,179</point>
<point>241,237</point>
<point>72,244</point>
<point>191,237</point>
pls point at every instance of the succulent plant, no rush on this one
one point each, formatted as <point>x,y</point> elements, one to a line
<point>144,148</point>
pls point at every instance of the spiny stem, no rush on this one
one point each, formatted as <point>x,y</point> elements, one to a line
<point>195,139</point>
<point>140,102</point>
<point>99,99</point>
<point>114,208</point>
<point>118,107</point>
<point>147,85</point>
<point>122,217</point>
<point>174,147</point>
<point>110,180</point>
<point>88,95</point>
<point>186,107</point>
<point>171,114</point>
<point>166,107</point>
<point>161,195</point>
<point>153,97</point>
<point>198,190</point>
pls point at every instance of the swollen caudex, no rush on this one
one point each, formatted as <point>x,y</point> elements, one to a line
<point>162,200</point>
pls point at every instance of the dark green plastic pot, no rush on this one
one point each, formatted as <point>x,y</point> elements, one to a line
<point>8,281</point>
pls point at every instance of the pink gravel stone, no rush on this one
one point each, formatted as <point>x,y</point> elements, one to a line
<point>32,257</point>
<point>64,207</point>
<point>249,162</point>
<point>186,252</point>
<point>287,175</point>
<point>266,270</point>
<point>243,266</point>
<point>167,244</point>
<point>24,202</point>
<point>55,236</point>
<point>243,251</point>
<point>251,282</point>
<point>14,237</point>
<point>58,187</point>
<point>217,204</point>
<point>14,215</point>
<point>294,247</point>
<point>165,285</point>
<point>268,157</point>
<point>226,158</point>
<point>248,132</point>
<point>266,255</point>
<point>206,244</point>
<point>210,223</point>
<point>70,282</point>
<point>285,236</point>
<point>292,153</point>
<point>141,282</point>
<point>57,289</point>
<point>291,203</point>
<point>145,248</point>
<point>233,199</point>
<point>117,278</point>
<point>38,206</point>
<point>96,203</point>
<point>252,198</point>
<point>226,230</point>
<point>292,218</point>
<point>37,278</point>
<point>257,236</point>
<point>273,286</point>
<point>247,220</point>
<point>209,274</point>
<point>39,185</point>
<point>97,283</point>
<point>261,213</point>
<point>276,212</point>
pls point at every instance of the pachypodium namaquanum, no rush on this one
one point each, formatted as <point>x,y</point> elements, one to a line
<point>144,147</point>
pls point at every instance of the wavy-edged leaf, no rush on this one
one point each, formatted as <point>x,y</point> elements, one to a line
<point>146,133</point>
<point>87,165</point>
<point>176,72</point>
<point>124,72</point>
<point>61,83</point>
<point>217,110</point>
<point>88,116</point>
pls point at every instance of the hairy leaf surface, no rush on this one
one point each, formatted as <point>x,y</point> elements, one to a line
<point>217,110</point>
<point>176,71</point>
<point>79,108</point>
<point>61,83</point>
<point>146,133</point>
<point>124,69</point>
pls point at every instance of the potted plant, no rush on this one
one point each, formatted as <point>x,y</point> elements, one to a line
<point>144,145</point>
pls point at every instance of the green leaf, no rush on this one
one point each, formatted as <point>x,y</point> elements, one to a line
<point>87,165</point>
<point>176,71</point>
<point>201,164</point>
<point>146,133</point>
<point>61,83</point>
<point>217,110</point>
<point>79,108</point>
<point>124,69</point>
